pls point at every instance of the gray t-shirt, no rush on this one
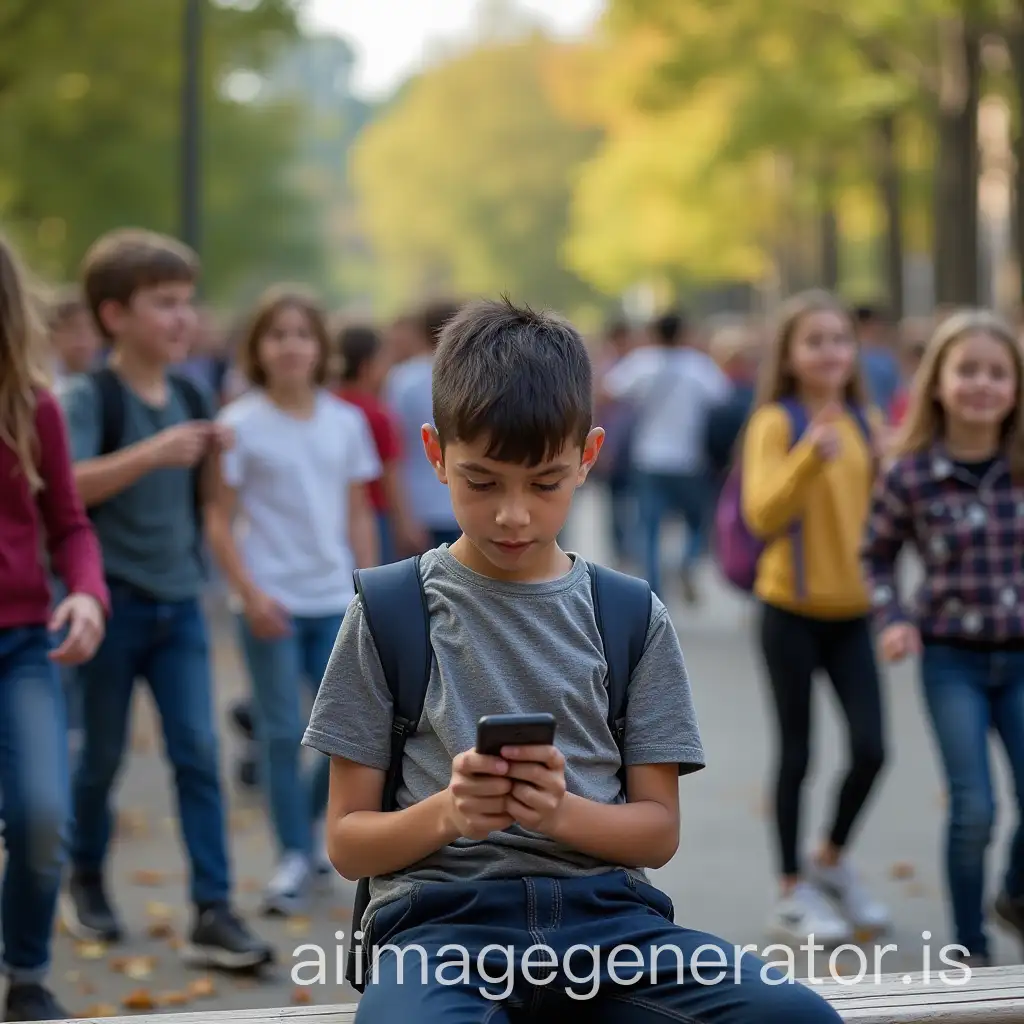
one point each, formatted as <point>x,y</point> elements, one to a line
<point>148,531</point>
<point>504,647</point>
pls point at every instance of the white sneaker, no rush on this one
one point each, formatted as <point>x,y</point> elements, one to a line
<point>841,884</point>
<point>286,891</point>
<point>804,915</point>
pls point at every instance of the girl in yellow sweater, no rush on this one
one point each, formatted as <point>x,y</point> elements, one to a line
<point>808,462</point>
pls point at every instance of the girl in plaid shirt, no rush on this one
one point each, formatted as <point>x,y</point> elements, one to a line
<point>956,493</point>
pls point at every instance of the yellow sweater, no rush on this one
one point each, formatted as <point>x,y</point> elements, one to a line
<point>831,498</point>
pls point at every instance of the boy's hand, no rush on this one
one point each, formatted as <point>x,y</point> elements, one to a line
<point>267,619</point>
<point>538,791</point>
<point>478,794</point>
<point>182,445</point>
<point>83,615</point>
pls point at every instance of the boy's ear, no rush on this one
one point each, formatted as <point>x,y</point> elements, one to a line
<point>111,314</point>
<point>432,449</point>
<point>591,449</point>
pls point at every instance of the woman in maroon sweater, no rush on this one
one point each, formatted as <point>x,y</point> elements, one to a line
<point>40,513</point>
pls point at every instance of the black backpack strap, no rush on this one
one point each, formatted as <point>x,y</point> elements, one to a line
<point>110,395</point>
<point>622,608</point>
<point>395,609</point>
<point>190,396</point>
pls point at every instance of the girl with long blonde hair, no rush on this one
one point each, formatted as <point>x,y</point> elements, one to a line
<point>808,460</point>
<point>955,492</point>
<point>40,510</point>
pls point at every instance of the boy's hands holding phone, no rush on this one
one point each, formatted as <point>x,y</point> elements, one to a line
<point>515,776</point>
<point>525,786</point>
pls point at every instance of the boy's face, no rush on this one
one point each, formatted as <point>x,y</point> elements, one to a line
<point>159,321</point>
<point>511,514</point>
<point>76,342</point>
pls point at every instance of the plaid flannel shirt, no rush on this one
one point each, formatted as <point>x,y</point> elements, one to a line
<point>969,533</point>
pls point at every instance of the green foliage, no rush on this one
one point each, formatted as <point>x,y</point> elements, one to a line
<point>465,181</point>
<point>89,134</point>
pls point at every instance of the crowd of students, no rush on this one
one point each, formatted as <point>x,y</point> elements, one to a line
<point>142,461</point>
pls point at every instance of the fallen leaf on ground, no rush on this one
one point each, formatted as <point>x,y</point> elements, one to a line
<point>341,914</point>
<point>159,911</point>
<point>160,930</point>
<point>298,925</point>
<point>146,877</point>
<point>175,942</point>
<point>301,996</point>
<point>140,999</point>
<point>139,967</point>
<point>86,988</point>
<point>249,885</point>
<point>245,982</point>
<point>101,1010</point>
<point>202,988</point>
<point>173,999</point>
<point>132,824</point>
<point>90,950</point>
<point>902,870</point>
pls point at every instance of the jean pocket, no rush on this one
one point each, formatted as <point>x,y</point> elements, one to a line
<point>390,919</point>
<point>652,897</point>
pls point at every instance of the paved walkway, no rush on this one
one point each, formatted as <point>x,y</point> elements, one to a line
<point>721,879</point>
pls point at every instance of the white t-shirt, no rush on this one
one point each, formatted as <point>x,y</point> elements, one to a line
<point>674,389</point>
<point>293,478</point>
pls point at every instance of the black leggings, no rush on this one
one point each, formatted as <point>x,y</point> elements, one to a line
<point>794,647</point>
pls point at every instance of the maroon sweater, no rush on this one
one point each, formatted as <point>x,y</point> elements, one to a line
<point>53,520</point>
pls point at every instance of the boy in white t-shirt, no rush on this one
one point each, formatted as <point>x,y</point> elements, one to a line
<point>295,482</point>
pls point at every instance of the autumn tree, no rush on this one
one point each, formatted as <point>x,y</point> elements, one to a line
<point>465,181</point>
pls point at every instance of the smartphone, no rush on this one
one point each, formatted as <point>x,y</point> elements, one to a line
<point>496,731</point>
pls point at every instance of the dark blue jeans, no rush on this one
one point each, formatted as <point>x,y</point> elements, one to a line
<point>276,670</point>
<point>661,494</point>
<point>165,643</point>
<point>34,782</point>
<point>445,949</point>
<point>968,694</point>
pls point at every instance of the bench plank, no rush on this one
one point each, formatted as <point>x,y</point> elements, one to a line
<point>993,995</point>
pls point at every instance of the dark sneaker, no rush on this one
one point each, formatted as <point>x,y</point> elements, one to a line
<point>86,911</point>
<point>221,939</point>
<point>29,1001</point>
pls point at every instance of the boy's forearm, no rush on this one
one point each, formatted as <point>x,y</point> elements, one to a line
<point>642,834</point>
<point>368,843</point>
<point>108,475</point>
<point>226,554</point>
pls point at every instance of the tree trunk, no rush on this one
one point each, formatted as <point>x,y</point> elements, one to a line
<point>828,228</point>
<point>1015,43</point>
<point>956,175</point>
<point>890,187</point>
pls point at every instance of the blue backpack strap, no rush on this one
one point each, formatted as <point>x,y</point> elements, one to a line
<point>622,608</point>
<point>395,609</point>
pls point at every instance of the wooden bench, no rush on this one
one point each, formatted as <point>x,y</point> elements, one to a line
<point>994,995</point>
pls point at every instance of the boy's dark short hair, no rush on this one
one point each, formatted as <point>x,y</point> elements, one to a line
<point>357,345</point>
<point>120,263</point>
<point>519,378</point>
<point>670,327</point>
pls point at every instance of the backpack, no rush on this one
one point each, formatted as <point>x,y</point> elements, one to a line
<point>395,608</point>
<point>737,549</point>
<point>111,395</point>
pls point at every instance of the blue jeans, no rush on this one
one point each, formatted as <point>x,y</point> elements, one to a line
<point>968,693</point>
<point>34,781</point>
<point>276,670</point>
<point>166,643</point>
<point>657,495</point>
<point>485,929</point>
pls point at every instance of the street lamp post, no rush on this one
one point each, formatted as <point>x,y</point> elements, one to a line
<point>191,124</point>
